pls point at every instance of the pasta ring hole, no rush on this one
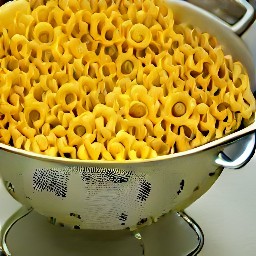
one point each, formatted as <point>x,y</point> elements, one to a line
<point>92,72</point>
<point>138,154</point>
<point>65,18</point>
<point>217,92</point>
<point>188,132</point>
<point>198,86</point>
<point>222,106</point>
<point>33,53</point>
<point>141,53</point>
<point>154,48</point>
<point>70,97</point>
<point>125,47</point>
<point>24,66</point>
<point>163,124</point>
<point>210,86</point>
<point>100,26</point>
<point>67,155</point>
<point>19,47</point>
<point>111,51</point>
<point>109,35</point>
<point>80,130</point>
<point>12,64</point>
<point>97,51</point>
<point>127,67</point>
<point>76,30</point>
<point>44,37</point>
<point>26,91</point>
<point>159,112</point>
<point>205,133</point>
<point>179,109</point>
<point>105,71</point>
<point>84,38</point>
<point>222,72</point>
<point>138,110</point>
<point>205,70</point>
<point>34,115</point>
<point>53,22</point>
<point>175,45</point>
<point>138,39</point>
<point>238,83</point>
<point>171,51</point>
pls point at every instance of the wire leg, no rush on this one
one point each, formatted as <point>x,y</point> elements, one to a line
<point>23,211</point>
<point>197,229</point>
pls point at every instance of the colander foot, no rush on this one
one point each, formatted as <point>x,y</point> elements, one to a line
<point>139,238</point>
<point>198,231</point>
<point>142,236</point>
<point>20,213</point>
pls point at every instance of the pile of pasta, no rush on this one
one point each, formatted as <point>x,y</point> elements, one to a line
<point>113,80</point>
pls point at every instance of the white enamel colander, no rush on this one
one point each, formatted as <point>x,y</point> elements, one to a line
<point>108,195</point>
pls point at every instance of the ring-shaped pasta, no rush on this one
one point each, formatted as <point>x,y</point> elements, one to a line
<point>43,33</point>
<point>67,96</point>
<point>19,46</point>
<point>108,70</point>
<point>41,13</point>
<point>81,127</point>
<point>102,30</point>
<point>127,66</point>
<point>139,36</point>
<point>35,113</point>
<point>178,108</point>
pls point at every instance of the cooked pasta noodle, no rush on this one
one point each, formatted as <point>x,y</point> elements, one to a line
<point>114,80</point>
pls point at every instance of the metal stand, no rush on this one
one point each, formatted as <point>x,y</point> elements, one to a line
<point>190,222</point>
<point>137,234</point>
<point>23,211</point>
<point>197,229</point>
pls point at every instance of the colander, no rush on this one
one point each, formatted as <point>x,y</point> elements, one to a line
<point>112,195</point>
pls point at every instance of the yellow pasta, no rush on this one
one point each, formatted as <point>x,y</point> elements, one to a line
<point>114,80</point>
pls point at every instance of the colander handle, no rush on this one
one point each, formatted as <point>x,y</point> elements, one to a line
<point>219,10</point>
<point>248,150</point>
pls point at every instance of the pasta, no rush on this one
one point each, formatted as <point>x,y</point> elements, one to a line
<point>114,80</point>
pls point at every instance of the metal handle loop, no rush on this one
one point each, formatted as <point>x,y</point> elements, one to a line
<point>239,26</point>
<point>243,159</point>
<point>243,23</point>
